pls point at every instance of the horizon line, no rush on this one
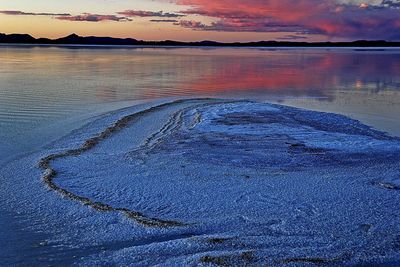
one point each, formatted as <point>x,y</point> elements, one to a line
<point>73,38</point>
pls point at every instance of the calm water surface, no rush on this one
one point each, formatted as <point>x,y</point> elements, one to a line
<point>44,90</point>
<point>47,91</point>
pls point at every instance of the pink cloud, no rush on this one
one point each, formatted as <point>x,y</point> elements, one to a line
<point>302,16</point>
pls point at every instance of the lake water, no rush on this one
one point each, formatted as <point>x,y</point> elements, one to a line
<point>45,92</point>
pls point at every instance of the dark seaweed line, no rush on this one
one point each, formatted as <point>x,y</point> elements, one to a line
<point>169,127</point>
<point>173,124</point>
<point>50,174</point>
<point>197,119</point>
<point>154,139</point>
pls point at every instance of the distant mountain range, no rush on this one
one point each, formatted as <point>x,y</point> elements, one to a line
<point>74,39</point>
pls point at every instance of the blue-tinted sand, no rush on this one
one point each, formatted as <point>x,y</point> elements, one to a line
<point>246,183</point>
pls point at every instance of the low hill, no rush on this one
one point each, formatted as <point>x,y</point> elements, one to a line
<point>74,39</point>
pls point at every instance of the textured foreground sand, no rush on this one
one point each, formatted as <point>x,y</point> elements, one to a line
<point>214,182</point>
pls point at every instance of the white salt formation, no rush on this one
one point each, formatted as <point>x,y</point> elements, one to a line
<point>213,182</point>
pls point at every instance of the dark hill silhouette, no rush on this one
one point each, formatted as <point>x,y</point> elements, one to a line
<point>74,39</point>
<point>16,38</point>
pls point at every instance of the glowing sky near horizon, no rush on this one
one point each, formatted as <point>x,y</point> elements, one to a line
<point>222,20</point>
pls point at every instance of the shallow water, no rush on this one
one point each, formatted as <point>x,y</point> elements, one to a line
<point>41,85</point>
<point>45,92</point>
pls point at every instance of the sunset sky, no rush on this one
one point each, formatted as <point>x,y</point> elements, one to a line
<point>222,20</point>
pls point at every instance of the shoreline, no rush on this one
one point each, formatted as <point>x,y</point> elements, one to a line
<point>50,174</point>
<point>95,40</point>
<point>99,46</point>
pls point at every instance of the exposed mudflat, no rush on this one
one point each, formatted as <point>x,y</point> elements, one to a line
<point>214,182</point>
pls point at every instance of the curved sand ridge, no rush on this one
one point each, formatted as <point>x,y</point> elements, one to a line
<point>252,183</point>
<point>50,173</point>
